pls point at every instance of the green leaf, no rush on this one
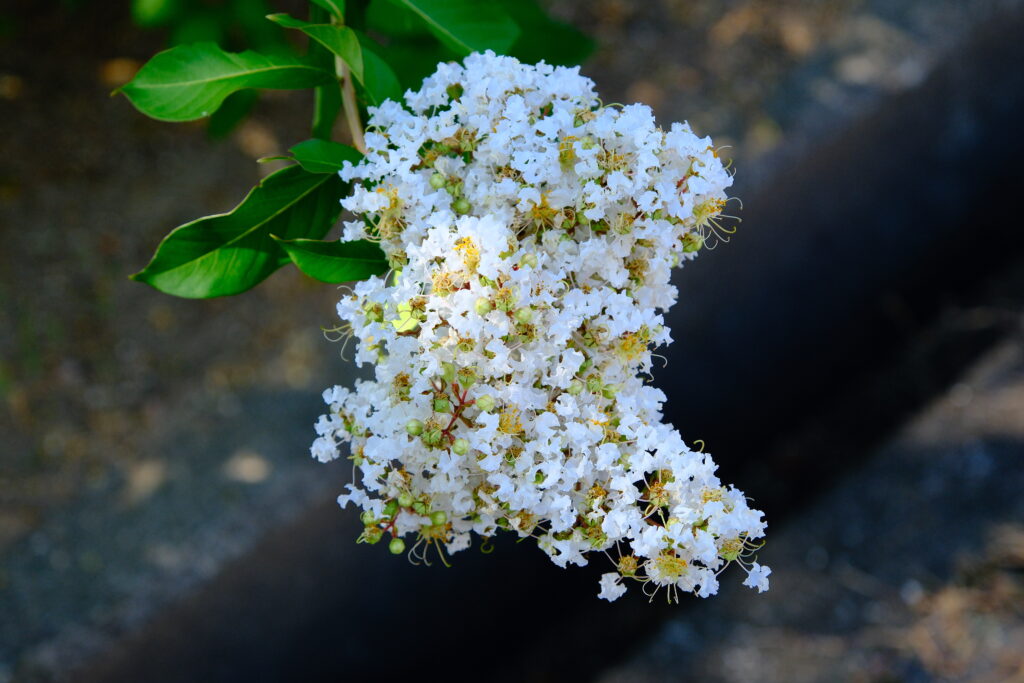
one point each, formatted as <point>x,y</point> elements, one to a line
<point>380,82</point>
<point>543,38</point>
<point>190,81</point>
<point>230,253</point>
<point>466,25</point>
<point>413,59</point>
<point>340,40</point>
<point>326,98</point>
<point>389,19</point>
<point>234,109</point>
<point>326,105</point>
<point>334,261</point>
<point>324,156</point>
<point>335,7</point>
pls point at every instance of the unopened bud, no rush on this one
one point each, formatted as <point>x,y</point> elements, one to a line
<point>575,387</point>
<point>529,259</point>
<point>462,206</point>
<point>437,181</point>
<point>524,315</point>
<point>396,546</point>
<point>442,405</point>
<point>483,306</point>
<point>438,517</point>
<point>414,427</point>
<point>404,499</point>
<point>460,447</point>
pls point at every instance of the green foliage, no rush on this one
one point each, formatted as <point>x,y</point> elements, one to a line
<point>340,40</point>
<point>463,26</point>
<point>324,156</point>
<point>334,261</point>
<point>336,8</point>
<point>230,253</point>
<point>234,109</point>
<point>543,38</point>
<point>283,219</point>
<point>190,81</point>
<point>380,82</point>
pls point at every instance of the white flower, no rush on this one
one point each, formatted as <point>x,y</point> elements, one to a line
<point>757,577</point>
<point>532,232</point>
<point>611,587</point>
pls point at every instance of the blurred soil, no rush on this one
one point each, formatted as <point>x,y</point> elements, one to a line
<point>91,362</point>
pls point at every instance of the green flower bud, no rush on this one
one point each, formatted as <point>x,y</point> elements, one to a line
<point>414,427</point>
<point>462,206</point>
<point>575,388</point>
<point>404,499</point>
<point>437,181</point>
<point>438,517</point>
<point>609,391</point>
<point>483,306</point>
<point>524,315</point>
<point>485,403</point>
<point>529,259</point>
<point>396,546</point>
<point>442,405</point>
<point>460,447</point>
<point>367,517</point>
<point>447,372</point>
<point>594,383</point>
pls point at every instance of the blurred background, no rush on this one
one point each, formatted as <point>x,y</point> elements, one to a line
<point>853,360</point>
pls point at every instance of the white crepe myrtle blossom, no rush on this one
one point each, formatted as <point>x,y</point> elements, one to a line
<point>532,232</point>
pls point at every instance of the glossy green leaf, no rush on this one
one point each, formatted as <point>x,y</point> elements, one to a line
<point>230,253</point>
<point>340,40</point>
<point>390,19</point>
<point>466,25</point>
<point>381,83</point>
<point>415,58</point>
<point>326,98</point>
<point>335,7</point>
<point>190,81</point>
<point>232,112</point>
<point>543,38</point>
<point>326,105</point>
<point>324,156</point>
<point>334,261</point>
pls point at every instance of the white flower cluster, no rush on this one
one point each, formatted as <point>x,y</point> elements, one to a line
<point>532,232</point>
